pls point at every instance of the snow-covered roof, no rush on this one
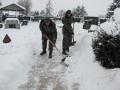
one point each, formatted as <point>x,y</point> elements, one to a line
<point>12,19</point>
<point>89,20</point>
<point>13,7</point>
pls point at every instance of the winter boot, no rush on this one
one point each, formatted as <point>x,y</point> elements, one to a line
<point>64,52</point>
<point>43,52</point>
<point>50,54</point>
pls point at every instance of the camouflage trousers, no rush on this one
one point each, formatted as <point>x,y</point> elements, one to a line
<point>67,40</point>
<point>44,43</point>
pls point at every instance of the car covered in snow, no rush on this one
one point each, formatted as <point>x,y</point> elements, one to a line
<point>12,23</point>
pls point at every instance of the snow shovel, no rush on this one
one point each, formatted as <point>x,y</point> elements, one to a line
<point>73,39</point>
<point>64,57</point>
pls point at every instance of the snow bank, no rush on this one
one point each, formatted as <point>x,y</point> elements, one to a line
<point>86,74</point>
<point>93,27</point>
<point>117,15</point>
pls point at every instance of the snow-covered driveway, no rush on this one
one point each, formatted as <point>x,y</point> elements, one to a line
<point>47,74</point>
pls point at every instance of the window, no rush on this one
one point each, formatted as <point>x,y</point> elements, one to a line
<point>12,25</point>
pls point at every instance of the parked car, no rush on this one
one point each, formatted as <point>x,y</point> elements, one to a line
<point>12,23</point>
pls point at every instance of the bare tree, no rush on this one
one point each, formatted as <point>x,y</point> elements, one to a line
<point>79,11</point>
<point>49,9</point>
<point>0,13</point>
<point>61,13</point>
<point>42,13</point>
<point>83,12</point>
<point>76,11</point>
<point>27,4</point>
<point>115,4</point>
<point>0,3</point>
<point>36,13</point>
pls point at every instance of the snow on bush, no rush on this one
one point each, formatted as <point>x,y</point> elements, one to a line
<point>111,28</point>
<point>117,15</point>
<point>106,45</point>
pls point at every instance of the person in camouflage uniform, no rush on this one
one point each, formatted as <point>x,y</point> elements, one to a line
<point>67,31</point>
<point>48,28</point>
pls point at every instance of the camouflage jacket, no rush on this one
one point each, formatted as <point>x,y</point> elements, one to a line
<point>48,30</point>
<point>67,25</point>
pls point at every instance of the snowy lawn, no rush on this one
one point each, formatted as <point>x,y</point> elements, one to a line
<point>16,57</point>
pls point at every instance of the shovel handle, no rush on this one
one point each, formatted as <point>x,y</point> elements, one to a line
<point>52,43</point>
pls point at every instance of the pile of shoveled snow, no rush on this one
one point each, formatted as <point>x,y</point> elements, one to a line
<point>84,72</point>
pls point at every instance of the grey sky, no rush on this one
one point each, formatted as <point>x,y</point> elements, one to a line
<point>93,7</point>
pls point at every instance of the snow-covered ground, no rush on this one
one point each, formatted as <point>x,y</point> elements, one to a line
<point>23,68</point>
<point>16,57</point>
